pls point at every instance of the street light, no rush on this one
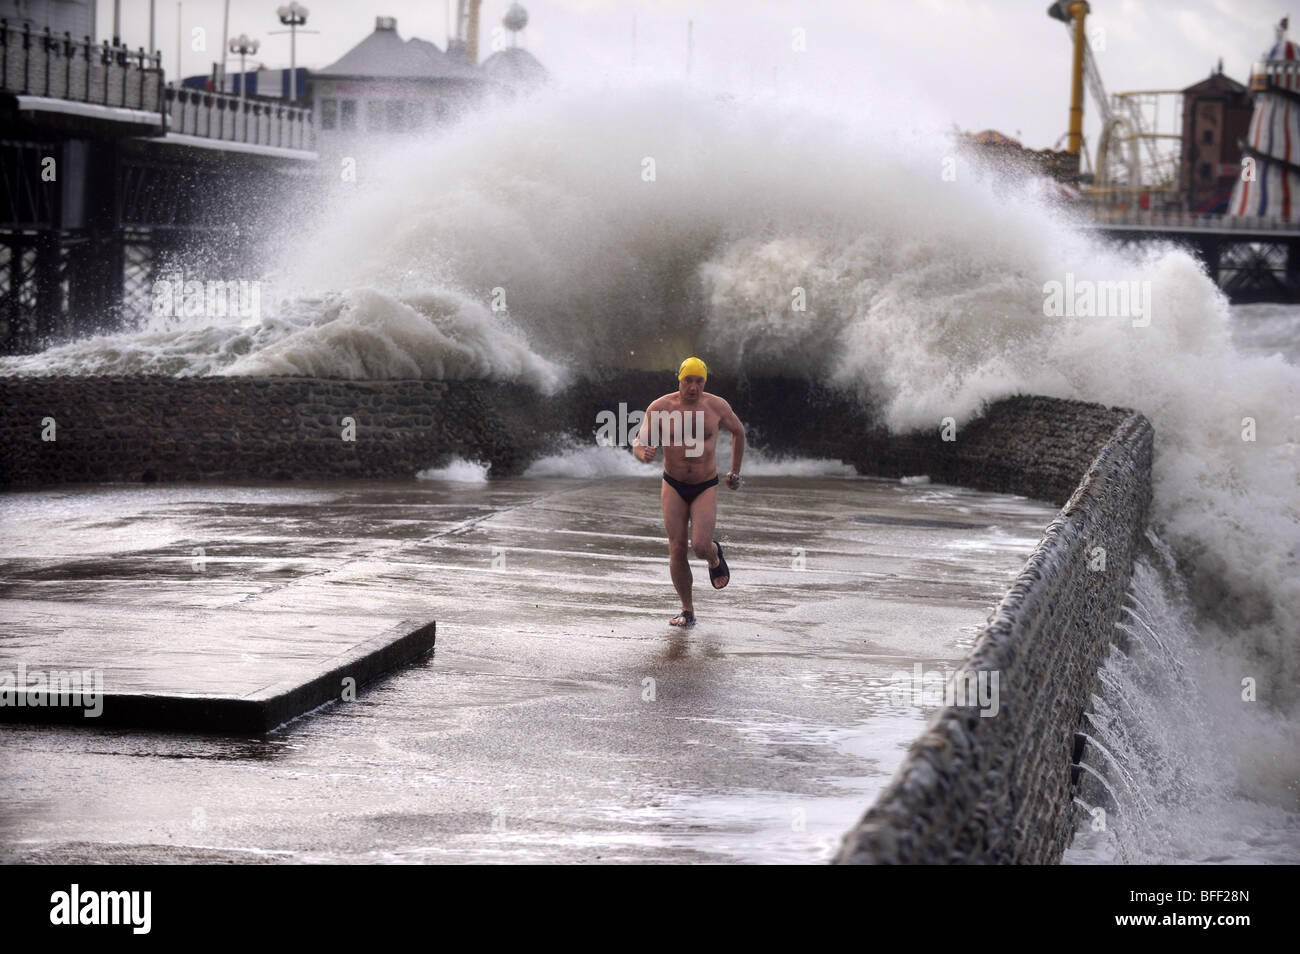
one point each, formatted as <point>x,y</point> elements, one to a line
<point>243,46</point>
<point>293,15</point>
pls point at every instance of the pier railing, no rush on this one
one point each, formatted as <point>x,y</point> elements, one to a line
<point>41,64</point>
<point>1188,221</point>
<point>1275,74</point>
<point>59,67</point>
<point>209,115</point>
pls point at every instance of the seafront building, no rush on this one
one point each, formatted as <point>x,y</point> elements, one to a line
<point>1216,113</point>
<point>387,86</point>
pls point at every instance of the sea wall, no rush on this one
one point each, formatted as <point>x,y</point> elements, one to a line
<point>997,790</point>
<point>77,429</point>
<point>74,429</point>
<point>971,789</point>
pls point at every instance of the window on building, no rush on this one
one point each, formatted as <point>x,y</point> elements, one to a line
<point>374,115</point>
<point>1207,137</point>
<point>415,115</point>
<point>396,112</point>
<point>1206,172</point>
<point>348,114</point>
<point>329,113</point>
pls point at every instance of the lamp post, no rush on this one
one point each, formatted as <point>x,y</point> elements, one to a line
<point>225,35</point>
<point>243,46</point>
<point>293,15</point>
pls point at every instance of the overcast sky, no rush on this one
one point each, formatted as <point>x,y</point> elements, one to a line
<point>1002,64</point>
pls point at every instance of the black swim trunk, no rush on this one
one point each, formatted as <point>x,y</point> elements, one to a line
<point>689,492</point>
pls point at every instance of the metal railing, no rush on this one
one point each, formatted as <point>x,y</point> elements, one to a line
<point>1274,74</point>
<point>1190,220</point>
<point>42,64</point>
<point>209,115</point>
<point>59,67</point>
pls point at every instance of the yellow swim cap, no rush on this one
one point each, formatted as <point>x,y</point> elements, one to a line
<point>693,366</point>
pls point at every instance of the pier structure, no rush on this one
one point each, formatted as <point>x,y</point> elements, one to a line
<point>1252,258</point>
<point>108,174</point>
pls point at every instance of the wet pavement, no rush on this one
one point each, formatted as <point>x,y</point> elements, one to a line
<point>560,718</point>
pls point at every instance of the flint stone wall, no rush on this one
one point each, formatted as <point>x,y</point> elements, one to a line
<point>172,429</point>
<point>997,790</point>
<point>971,789</point>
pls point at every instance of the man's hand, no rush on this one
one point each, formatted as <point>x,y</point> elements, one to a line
<point>644,453</point>
<point>734,481</point>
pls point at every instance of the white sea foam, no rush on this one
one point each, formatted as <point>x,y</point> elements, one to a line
<point>360,333</point>
<point>1200,769</point>
<point>1267,329</point>
<point>756,465</point>
<point>580,460</point>
<point>370,334</point>
<point>571,459</point>
<point>458,470</point>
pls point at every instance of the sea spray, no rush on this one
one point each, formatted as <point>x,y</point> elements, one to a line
<point>1182,764</point>
<point>361,333</point>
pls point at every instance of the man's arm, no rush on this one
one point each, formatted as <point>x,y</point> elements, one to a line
<point>731,422</point>
<point>642,450</point>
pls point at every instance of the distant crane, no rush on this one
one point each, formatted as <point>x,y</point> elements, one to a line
<point>1133,157</point>
<point>1074,13</point>
<point>466,39</point>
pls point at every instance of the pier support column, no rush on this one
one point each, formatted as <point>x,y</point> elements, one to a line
<point>1293,269</point>
<point>97,264</point>
<point>1209,249</point>
<point>50,315</point>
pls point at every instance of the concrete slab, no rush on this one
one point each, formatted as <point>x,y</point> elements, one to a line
<point>232,657</point>
<point>173,642</point>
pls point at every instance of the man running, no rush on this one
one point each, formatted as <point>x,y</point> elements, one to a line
<point>685,423</point>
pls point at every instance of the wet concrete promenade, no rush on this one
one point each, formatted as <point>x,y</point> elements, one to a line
<point>559,719</point>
